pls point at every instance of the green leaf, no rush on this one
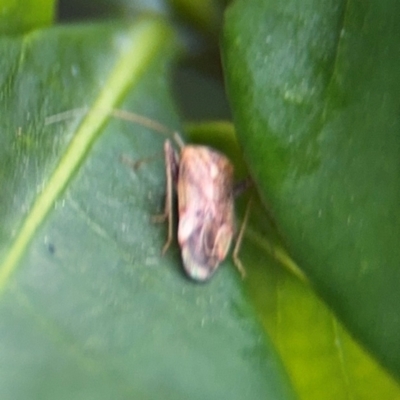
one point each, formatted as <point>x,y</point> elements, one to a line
<point>312,343</point>
<point>314,90</point>
<point>88,307</point>
<point>19,16</point>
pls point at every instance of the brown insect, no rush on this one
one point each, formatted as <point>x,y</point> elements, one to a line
<point>203,180</point>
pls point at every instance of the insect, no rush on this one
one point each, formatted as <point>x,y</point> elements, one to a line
<point>203,180</point>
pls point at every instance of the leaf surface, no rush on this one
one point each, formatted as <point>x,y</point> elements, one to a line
<point>19,16</point>
<point>88,307</point>
<point>314,90</point>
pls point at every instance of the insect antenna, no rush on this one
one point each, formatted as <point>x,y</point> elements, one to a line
<point>123,115</point>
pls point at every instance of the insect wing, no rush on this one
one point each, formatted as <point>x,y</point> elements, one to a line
<point>206,210</point>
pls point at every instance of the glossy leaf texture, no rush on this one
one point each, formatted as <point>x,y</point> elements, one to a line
<point>88,307</point>
<point>314,91</point>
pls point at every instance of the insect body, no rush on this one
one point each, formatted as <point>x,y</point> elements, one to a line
<point>203,179</point>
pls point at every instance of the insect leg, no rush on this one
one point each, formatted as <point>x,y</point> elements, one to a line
<point>171,171</point>
<point>242,186</point>
<point>238,243</point>
<point>136,164</point>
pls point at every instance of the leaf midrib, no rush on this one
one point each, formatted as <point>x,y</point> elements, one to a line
<point>146,38</point>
